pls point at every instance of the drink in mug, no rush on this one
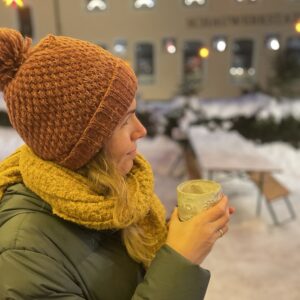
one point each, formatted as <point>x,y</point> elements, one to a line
<point>195,196</point>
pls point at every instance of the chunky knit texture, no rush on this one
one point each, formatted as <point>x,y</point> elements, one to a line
<point>64,96</point>
<point>71,197</point>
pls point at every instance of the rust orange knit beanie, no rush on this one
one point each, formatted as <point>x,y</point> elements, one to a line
<point>64,96</point>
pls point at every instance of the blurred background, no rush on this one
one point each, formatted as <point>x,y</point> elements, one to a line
<point>221,48</point>
<point>222,72</point>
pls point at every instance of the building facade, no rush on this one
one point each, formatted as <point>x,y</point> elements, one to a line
<point>215,48</point>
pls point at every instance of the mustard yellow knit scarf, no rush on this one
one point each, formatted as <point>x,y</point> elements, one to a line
<point>71,197</point>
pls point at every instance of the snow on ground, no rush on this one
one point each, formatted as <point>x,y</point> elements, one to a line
<point>288,158</point>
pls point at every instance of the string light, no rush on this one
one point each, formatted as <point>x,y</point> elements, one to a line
<point>203,52</point>
<point>272,42</point>
<point>297,26</point>
<point>190,2</point>
<point>170,45</point>
<point>220,44</point>
<point>93,4</point>
<point>148,3</point>
<point>14,3</point>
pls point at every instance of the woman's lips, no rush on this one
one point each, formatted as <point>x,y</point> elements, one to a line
<point>132,153</point>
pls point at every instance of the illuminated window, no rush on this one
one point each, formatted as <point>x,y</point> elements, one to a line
<point>96,5</point>
<point>145,62</point>
<point>25,23</point>
<point>242,69</point>
<point>169,45</point>
<point>194,2</point>
<point>144,3</point>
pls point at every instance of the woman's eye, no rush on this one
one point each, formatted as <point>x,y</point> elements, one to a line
<point>126,121</point>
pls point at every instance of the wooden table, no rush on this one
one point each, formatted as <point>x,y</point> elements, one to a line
<point>221,151</point>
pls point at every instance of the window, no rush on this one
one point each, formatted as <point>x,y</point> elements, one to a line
<point>96,5</point>
<point>242,69</point>
<point>293,49</point>
<point>193,65</point>
<point>285,76</point>
<point>25,24</point>
<point>145,62</point>
<point>144,3</point>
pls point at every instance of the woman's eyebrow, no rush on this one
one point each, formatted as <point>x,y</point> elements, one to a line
<point>132,111</point>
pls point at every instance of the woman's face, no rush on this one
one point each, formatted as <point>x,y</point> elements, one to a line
<point>121,147</point>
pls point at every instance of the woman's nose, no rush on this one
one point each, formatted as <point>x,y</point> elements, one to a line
<point>140,130</point>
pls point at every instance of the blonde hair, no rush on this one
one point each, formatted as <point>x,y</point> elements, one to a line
<point>105,179</point>
<point>102,167</point>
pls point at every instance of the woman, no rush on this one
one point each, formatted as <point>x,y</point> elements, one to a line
<point>78,215</point>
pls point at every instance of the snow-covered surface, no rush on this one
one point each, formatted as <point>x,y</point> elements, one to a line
<point>288,158</point>
<point>192,109</point>
<point>9,141</point>
<point>260,105</point>
<point>246,106</point>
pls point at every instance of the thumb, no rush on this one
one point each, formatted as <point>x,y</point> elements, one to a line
<point>174,216</point>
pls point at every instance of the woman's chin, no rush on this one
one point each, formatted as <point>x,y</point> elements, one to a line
<point>126,167</point>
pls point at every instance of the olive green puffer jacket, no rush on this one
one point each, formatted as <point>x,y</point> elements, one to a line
<point>45,257</point>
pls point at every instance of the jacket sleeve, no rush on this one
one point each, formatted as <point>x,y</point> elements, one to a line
<point>171,276</point>
<point>30,275</point>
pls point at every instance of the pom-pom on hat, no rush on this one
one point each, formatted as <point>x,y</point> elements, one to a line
<point>64,96</point>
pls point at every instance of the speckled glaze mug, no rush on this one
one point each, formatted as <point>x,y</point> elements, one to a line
<point>195,196</point>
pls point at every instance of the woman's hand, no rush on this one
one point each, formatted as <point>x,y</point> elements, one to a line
<point>195,238</point>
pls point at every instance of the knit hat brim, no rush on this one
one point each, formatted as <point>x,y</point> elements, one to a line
<point>108,115</point>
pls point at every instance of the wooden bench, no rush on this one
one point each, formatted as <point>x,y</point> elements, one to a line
<point>272,190</point>
<point>191,163</point>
